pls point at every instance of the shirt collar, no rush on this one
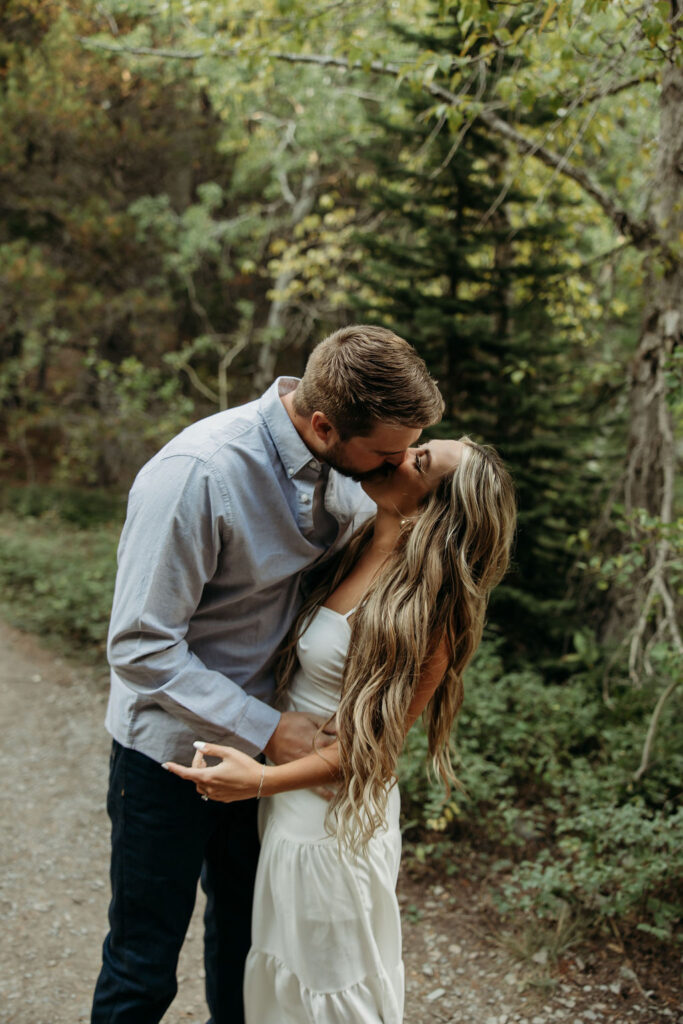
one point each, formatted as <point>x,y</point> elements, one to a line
<point>291,449</point>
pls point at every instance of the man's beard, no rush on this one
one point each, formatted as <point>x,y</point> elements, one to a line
<point>335,460</point>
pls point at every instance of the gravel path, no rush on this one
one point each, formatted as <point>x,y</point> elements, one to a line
<point>54,888</point>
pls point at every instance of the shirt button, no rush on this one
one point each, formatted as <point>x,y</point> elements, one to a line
<point>304,499</point>
<point>314,464</point>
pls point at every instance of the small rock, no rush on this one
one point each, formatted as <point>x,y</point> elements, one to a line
<point>626,972</point>
<point>436,994</point>
<point>455,949</point>
<point>541,957</point>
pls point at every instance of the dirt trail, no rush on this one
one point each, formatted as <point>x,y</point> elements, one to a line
<point>54,854</point>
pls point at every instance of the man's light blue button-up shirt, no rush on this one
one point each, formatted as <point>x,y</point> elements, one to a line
<point>221,524</point>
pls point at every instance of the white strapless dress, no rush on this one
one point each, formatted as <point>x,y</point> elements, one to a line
<point>326,929</point>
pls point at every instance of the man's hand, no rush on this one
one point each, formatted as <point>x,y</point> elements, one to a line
<point>298,734</point>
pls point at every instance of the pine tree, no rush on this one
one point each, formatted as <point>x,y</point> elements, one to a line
<point>458,273</point>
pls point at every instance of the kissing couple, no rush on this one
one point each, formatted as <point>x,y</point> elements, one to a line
<point>299,580</point>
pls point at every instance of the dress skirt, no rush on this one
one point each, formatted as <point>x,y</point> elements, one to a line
<point>326,930</point>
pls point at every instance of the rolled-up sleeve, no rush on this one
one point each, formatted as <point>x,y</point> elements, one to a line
<point>177,528</point>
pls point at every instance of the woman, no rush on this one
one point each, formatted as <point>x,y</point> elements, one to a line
<point>383,639</point>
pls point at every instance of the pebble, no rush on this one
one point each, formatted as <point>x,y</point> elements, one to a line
<point>436,994</point>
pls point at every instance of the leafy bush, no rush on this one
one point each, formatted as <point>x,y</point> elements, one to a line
<point>77,505</point>
<point>56,579</point>
<point>547,771</point>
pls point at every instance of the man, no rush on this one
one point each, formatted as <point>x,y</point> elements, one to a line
<point>221,524</point>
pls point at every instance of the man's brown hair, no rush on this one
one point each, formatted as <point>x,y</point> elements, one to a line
<point>363,375</point>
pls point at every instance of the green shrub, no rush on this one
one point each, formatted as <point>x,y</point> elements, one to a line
<point>81,506</point>
<point>547,771</point>
<point>58,580</point>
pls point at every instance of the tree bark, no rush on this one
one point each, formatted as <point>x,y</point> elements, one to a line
<point>651,455</point>
<point>651,458</point>
<point>274,334</point>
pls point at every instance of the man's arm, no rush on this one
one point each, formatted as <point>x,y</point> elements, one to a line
<point>170,546</point>
<point>238,777</point>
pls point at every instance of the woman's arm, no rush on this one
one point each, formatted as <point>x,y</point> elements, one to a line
<point>432,673</point>
<point>239,777</point>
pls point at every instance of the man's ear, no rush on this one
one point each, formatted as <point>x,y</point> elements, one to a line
<point>323,429</point>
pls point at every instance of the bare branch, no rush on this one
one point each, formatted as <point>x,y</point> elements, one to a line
<point>643,233</point>
<point>613,90</point>
<point>652,729</point>
<point>199,383</point>
<point>225,363</point>
<point>151,51</point>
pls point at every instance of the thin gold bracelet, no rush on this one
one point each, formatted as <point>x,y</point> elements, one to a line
<point>260,785</point>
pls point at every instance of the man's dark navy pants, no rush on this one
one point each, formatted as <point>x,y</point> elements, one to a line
<point>164,836</point>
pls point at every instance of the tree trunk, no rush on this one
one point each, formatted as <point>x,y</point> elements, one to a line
<point>274,334</point>
<point>651,454</point>
<point>649,483</point>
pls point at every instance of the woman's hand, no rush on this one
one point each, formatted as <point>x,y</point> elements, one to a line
<point>237,777</point>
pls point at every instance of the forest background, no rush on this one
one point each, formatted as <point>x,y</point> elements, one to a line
<point>193,194</point>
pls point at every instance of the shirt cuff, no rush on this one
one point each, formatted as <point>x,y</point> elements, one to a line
<point>257,724</point>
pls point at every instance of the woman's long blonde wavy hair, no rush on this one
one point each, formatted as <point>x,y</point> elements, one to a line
<point>434,586</point>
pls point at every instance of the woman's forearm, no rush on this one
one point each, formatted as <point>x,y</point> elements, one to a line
<point>317,769</point>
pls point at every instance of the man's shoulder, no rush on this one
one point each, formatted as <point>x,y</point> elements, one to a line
<point>205,438</point>
<point>211,448</point>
